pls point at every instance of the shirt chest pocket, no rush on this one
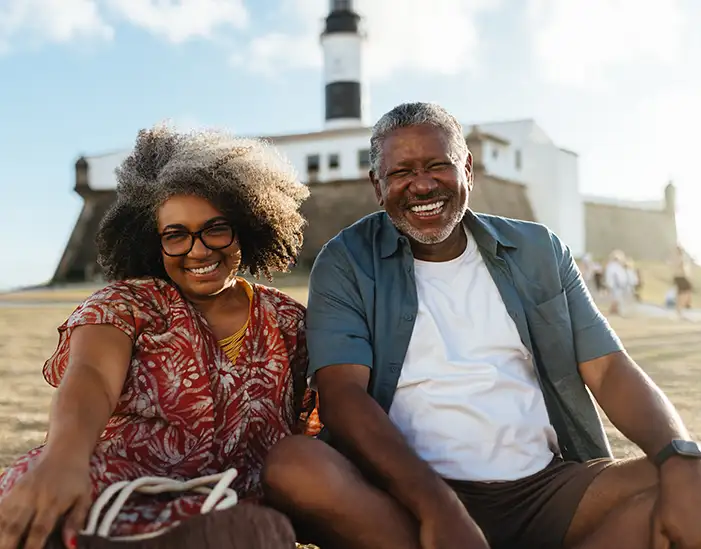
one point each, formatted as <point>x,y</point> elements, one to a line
<point>552,311</point>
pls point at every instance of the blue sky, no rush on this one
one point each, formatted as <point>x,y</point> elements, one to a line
<point>617,81</point>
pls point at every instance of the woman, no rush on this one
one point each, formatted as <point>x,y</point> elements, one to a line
<point>179,368</point>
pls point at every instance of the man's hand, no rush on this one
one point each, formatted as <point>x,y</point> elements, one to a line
<point>676,520</point>
<point>451,529</point>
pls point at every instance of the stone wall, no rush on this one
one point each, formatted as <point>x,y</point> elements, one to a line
<point>643,234</point>
<point>330,208</point>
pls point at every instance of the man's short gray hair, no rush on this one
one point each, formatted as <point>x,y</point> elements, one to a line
<point>414,114</point>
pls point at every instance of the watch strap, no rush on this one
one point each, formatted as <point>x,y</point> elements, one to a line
<point>684,448</point>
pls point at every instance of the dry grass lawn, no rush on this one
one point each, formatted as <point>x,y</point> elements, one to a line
<point>670,351</point>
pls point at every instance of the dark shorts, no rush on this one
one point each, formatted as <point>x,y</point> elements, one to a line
<point>682,283</point>
<point>535,511</point>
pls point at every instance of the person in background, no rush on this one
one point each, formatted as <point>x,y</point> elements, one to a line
<point>681,270</point>
<point>599,280</point>
<point>635,282</point>
<point>455,354</point>
<point>617,282</point>
<point>179,367</point>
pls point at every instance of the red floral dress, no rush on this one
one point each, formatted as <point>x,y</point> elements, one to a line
<point>186,410</point>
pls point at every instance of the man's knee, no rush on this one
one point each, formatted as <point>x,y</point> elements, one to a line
<point>298,465</point>
<point>287,464</point>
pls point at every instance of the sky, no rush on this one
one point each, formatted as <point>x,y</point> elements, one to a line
<point>617,81</point>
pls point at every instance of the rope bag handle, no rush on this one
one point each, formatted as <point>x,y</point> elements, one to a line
<point>219,497</point>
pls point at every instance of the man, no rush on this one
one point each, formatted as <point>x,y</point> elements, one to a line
<point>452,352</point>
<point>681,267</point>
<point>617,282</point>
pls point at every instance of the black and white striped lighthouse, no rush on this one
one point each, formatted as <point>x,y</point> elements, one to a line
<point>343,41</point>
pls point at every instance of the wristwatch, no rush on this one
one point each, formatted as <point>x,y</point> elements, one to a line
<point>683,448</point>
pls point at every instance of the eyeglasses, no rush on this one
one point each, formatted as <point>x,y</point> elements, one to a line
<point>179,242</point>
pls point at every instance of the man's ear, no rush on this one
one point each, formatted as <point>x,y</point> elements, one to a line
<point>377,185</point>
<point>468,171</point>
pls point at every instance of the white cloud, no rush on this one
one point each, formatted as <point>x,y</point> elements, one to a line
<point>57,21</point>
<point>180,20</point>
<point>61,21</point>
<point>576,42</point>
<point>402,35</point>
<point>274,51</point>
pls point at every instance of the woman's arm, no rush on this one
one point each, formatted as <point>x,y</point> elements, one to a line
<point>99,358</point>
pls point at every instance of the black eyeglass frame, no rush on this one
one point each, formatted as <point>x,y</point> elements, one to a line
<point>194,235</point>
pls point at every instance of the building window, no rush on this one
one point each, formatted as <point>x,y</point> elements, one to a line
<point>495,153</point>
<point>313,163</point>
<point>518,160</point>
<point>334,161</point>
<point>341,5</point>
<point>364,158</point>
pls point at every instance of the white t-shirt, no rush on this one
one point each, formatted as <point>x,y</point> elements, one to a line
<point>468,400</point>
<point>616,278</point>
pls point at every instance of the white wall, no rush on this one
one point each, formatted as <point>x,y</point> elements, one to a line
<point>101,168</point>
<point>346,147</point>
<point>550,174</point>
<point>343,59</point>
<point>570,203</point>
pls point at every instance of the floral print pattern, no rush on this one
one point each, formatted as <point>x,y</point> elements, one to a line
<point>185,409</point>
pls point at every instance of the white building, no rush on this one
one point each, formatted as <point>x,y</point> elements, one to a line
<point>518,151</point>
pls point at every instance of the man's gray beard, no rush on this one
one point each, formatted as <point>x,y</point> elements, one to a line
<point>434,237</point>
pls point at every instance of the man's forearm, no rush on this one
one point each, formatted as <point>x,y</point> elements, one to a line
<point>360,424</point>
<point>639,409</point>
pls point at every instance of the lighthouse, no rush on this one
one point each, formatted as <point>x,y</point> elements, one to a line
<point>343,41</point>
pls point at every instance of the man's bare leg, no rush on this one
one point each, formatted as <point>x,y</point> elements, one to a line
<point>626,527</point>
<point>616,509</point>
<point>313,483</point>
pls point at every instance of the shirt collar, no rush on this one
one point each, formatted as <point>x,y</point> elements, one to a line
<point>485,234</point>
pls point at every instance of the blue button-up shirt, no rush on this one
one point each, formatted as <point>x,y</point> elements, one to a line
<point>363,304</point>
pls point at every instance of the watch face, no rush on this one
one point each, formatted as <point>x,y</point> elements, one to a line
<point>687,448</point>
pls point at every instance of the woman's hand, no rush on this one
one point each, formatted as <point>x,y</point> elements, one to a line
<point>56,488</point>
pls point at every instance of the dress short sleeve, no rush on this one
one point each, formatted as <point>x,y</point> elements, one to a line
<point>118,304</point>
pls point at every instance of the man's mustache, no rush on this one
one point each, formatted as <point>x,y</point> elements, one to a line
<point>411,200</point>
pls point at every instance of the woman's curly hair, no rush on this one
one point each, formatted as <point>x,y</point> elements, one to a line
<point>255,188</point>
